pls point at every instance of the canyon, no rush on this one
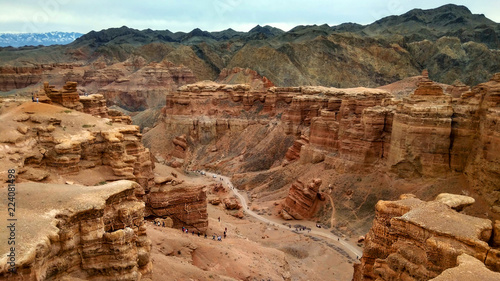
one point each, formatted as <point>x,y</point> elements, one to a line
<point>303,147</point>
<point>299,152</point>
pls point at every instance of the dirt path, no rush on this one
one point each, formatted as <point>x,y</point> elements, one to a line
<point>356,251</point>
<point>332,219</point>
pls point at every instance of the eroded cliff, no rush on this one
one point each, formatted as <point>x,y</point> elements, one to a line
<point>72,232</point>
<point>416,240</point>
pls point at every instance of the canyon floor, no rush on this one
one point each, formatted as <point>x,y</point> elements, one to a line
<point>253,250</point>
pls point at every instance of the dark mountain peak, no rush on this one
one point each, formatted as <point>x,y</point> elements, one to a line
<point>453,8</point>
<point>267,30</point>
<point>197,33</point>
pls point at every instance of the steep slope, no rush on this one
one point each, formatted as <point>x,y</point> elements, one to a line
<point>449,41</point>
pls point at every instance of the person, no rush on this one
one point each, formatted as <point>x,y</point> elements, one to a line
<point>224,235</point>
<point>205,236</point>
<point>32,98</point>
<point>225,229</point>
<point>183,229</point>
<point>163,224</point>
<point>193,232</point>
<point>213,237</point>
<point>36,99</point>
<point>199,234</point>
<point>219,219</point>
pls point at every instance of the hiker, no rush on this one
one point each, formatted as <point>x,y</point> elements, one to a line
<point>219,219</point>
<point>183,229</point>
<point>224,235</point>
<point>163,224</point>
<point>32,98</point>
<point>225,229</point>
<point>199,234</point>
<point>193,232</point>
<point>213,237</point>
<point>205,236</point>
<point>36,99</point>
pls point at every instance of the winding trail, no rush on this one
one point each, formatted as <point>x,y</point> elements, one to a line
<point>332,218</point>
<point>344,244</point>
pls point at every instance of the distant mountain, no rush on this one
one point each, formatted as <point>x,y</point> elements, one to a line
<point>448,20</point>
<point>449,41</point>
<point>35,39</point>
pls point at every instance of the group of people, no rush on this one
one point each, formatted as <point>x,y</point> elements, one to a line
<point>214,237</point>
<point>300,228</point>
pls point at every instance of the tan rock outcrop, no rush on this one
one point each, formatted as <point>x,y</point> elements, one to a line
<point>68,142</point>
<point>185,204</point>
<point>118,117</point>
<point>469,268</point>
<point>67,96</point>
<point>302,199</point>
<point>94,105</point>
<point>347,123</point>
<point>415,240</point>
<point>231,203</point>
<point>72,232</point>
<point>420,140</point>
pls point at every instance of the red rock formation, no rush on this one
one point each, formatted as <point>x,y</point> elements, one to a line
<point>293,152</point>
<point>18,77</point>
<point>231,203</point>
<point>71,232</point>
<point>67,97</point>
<point>420,140</point>
<point>94,105</point>
<point>415,240</point>
<point>477,138</point>
<point>181,146</point>
<point>350,123</point>
<point>186,205</point>
<point>302,199</point>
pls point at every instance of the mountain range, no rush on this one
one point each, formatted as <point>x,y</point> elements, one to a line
<point>35,39</point>
<point>449,41</point>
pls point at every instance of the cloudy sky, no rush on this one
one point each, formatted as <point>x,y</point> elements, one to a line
<point>210,15</point>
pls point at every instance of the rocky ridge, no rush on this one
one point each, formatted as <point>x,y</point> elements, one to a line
<point>450,41</point>
<point>416,240</point>
<point>426,134</point>
<point>78,233</point>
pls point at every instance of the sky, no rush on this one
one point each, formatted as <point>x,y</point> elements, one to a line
<point>211,15</point>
